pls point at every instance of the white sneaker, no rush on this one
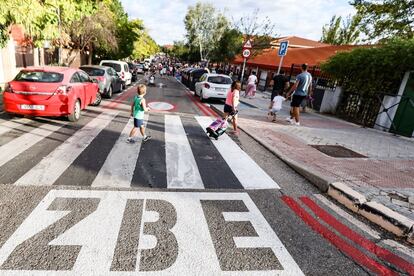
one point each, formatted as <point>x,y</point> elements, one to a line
<point>288,119</point>
<point>130,140</point>
<point>296,123</point>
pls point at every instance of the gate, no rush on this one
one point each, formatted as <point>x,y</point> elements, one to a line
<point>403,122</point>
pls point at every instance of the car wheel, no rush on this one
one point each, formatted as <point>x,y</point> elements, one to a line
<point>109,92</point>
<point>195,93</point>
<point>76,112</point>
<point>98,99</point>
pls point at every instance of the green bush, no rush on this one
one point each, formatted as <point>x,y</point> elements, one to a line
<point>371,70</point>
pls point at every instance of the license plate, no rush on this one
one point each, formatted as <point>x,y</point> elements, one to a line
<point>32,107</point>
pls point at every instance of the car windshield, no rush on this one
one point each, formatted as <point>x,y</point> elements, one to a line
<point>93,71</point>
<point>115,66</point>
<point>39,76</point>
<point>219,80</point>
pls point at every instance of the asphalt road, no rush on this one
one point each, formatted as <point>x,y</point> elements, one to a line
<point>76,199</point>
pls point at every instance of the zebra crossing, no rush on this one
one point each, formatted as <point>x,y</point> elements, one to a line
<point>180,155</point>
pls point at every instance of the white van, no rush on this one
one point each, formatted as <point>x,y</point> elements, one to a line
<point>121,68</point>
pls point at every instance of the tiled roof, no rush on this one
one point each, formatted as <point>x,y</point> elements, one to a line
<point>298,42</point>
<point>269,59</point>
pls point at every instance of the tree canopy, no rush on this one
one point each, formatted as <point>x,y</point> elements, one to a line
<point>386,19</point>
<point>76,24</point>
<point>340,31</point>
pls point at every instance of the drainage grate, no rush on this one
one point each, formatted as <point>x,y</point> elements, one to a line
<point>338,151</point>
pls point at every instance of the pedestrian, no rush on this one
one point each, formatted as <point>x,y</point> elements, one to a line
<point>138,107</point>
<point>232,101</point>
<point>280,84</point>
<point>251,86</point>
<point>275,106</point>
<point>299,91</point>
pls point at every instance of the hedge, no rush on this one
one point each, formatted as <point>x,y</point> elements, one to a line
<point>371,70</point>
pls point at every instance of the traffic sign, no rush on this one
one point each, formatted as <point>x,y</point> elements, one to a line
<point>283,47</point>
<point>247,45</point>
<point>246,53</point>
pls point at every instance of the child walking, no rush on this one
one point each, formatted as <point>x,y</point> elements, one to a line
<point>232,101</point>
<point>275,106</point>
<point>138,107</point>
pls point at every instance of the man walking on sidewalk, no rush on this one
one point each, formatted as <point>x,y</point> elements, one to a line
<point>300,90</point>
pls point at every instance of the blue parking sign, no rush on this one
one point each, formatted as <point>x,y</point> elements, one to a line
<point>283,48</point>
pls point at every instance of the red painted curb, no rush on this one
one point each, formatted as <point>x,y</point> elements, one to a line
<point>382,253</point>
<point>356,255</point>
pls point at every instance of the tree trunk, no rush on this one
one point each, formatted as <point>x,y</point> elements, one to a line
<point>90,54</point>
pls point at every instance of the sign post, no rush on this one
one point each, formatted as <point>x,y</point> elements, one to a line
<point>283,47</point>
<point>246,54</point>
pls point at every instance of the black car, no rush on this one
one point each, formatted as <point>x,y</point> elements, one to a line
<point>194,76</point>
<point>185,76</point>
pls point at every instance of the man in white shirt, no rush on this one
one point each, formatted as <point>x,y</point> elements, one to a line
<point>251,86</point>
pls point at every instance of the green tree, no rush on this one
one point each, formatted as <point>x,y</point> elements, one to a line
<point>229,45</point>
<point>341,32</point>
<point>205,27</point>
<point>144,46</point>
<point>387,19</point>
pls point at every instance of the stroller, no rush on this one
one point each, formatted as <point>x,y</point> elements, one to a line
<point>218,127</point>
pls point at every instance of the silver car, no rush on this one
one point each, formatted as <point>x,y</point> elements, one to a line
<point>108,80</point>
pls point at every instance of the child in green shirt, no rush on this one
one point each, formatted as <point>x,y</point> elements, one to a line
<point>138,107</point>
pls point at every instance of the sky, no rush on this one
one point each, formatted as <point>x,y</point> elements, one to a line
<point>164,19</point>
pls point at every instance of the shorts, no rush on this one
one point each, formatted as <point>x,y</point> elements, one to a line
<point>138,122</point>
<point>228,109</point>
<point>297,100</point>
<point>274,110</point>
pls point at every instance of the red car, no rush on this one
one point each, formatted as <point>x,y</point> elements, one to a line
<point>50,91</point>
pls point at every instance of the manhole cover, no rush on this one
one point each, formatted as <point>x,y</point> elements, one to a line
<point>161,106</point>
<point>338,151</point>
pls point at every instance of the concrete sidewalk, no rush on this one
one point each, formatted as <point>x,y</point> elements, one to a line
<point>379,186</point>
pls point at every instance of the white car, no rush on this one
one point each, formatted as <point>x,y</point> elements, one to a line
<point>212,86</point>
<point>121,68</point>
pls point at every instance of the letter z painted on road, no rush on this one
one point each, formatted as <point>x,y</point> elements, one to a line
<point>145,233</point>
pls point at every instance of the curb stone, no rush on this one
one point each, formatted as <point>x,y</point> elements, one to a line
<point>344,194</point>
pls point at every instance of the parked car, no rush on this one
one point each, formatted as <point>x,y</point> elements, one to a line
<point>140,68</point>
<point>133,71</point>
<point>50,91</point>
<point>121,68</point>
<point>185,75</point>
<point>212,86</point>
<point>108,80</point>
<point>195,76</point>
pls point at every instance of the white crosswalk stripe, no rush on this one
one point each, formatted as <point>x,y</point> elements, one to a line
<point>119,166</point>
<point>52,166</point>
<point>22,143</point>
<point>250,175</point>
<point>182,170</point>
<point>10,125</point>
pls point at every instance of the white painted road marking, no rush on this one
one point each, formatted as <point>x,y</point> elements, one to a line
<point>10,125</point>
<point>52,166</point>
<point>22,143</point>
<point>119,166</point>
<point>182,170</point>
<point>250,175</point>
<point>97,233</point>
